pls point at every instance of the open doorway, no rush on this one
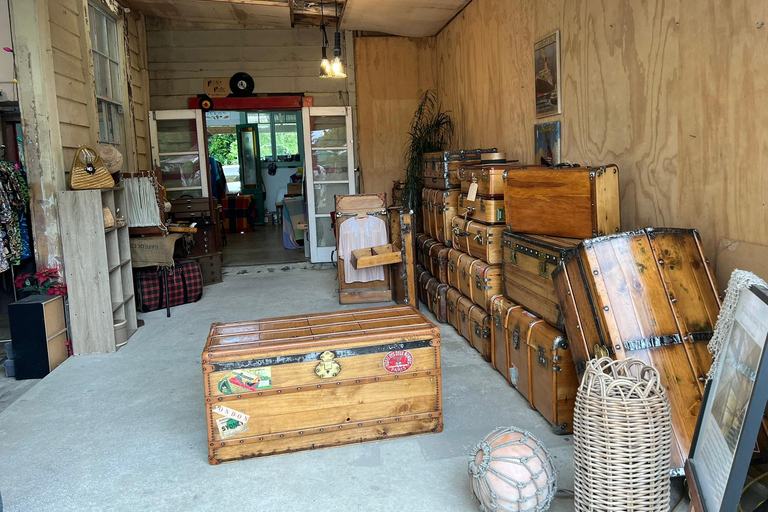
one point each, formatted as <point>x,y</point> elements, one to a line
<point>260,167</point>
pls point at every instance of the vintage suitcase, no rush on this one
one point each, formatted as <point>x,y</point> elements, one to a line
<point>181,285</point>
<point>488,176</point>
<point>421,239</point>
<point>423,293</point>
<point>426,217</point>
<point>438,255</point>
<point>464,276</point>
<point>528,262</point>
<point>571,202</point>
<point>485,282</point>
<point>451,301</point>
<point>464,307</point>
<point>436,296</point>
<point>441,168</point>
<point>454,255</point>
<point>478,239</point>
<point>500,307</point>
<point>490,211</point>
<point>648,294</point>
<point>298,383</point>
<point>427,248</point>
<point>446,205</point>
<point>480,331</point>
<point>553,378</point>
<point>518,322</point>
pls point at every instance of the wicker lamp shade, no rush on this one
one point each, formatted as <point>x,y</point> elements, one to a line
<point>511,471</point>
<point>622,435</point>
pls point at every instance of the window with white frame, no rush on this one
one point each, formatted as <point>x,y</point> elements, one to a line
<point>105,39</point>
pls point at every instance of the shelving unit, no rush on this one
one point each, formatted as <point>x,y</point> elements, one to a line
<point>98,271</point>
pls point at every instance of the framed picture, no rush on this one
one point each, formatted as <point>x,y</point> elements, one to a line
<point>547,143</point>
<point>733,407</point>
<point>546,54</point>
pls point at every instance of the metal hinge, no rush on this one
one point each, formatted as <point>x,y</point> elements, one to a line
<point>516,338</point>
<point>542,357</point>
<point>542,264</point>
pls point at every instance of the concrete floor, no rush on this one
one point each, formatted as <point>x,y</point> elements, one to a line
<point>127,431</point>
<point>260,247</point>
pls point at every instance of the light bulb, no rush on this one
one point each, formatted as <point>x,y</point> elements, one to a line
<point>338,68</point>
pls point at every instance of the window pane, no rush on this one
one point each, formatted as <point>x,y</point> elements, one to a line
<point>101,72</point>
<point>265,141</point>
<point>100,30</point>
<point>116,116</point>
<point>329,131</point>
<point>181,171</point>
<point>103,113</point>
<point>330,165</point>
<point>287,141</point>
<point>176,136</point>
<point>264,118</point>
<point>111,26</point>
<point>325,236</point>
<point>324,196</point>
<point>117,90</point>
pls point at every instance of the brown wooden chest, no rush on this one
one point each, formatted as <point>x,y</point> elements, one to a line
<point>438,256</point>
<point>488,210</point>
<point>480,240</point>
<point>489,178</point>
<point>464,274</point>
<point>426,215</point>
<point>441,168</point>
<point>648,294</point>
<point>297,383</point>
<point>454,255</point>
<point>572,202</point>
<point>451,302</point>
<point>464,307</point>
<point>528,262</point>
<point>436,299</point>
<point>445,208</point>
<point>480,331</point>
<point>500,306</point>
<point>485,283</point>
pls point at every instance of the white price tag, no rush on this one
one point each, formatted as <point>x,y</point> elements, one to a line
<point>472,191</point>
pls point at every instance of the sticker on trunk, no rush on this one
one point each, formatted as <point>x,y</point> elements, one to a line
<point>240,381</point>
<point>229,427</point>
<point>398,361</point>
<point>231,413</point>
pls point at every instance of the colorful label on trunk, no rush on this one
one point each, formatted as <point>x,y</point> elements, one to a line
<point>229,427</point>
<point>513,375</point>
<point>239,381</point>
<point>500,214</point>
<point>231,413</point>
<point>398,361</point>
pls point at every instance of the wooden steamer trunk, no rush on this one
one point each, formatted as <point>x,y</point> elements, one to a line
<point>441,168</point>
<point>403,279</point>
<point>421,240</point>
<point>464,307</point>
<point>438,255</point>
<point>464,274</point>
<point>485,283</point>
<point>445,209</point>
<point>452,302</point>
<point>528,262</point>
<point>480,331</point>
<point>489,177</point>
<point>500,307</point>
<point>480,240</point>
<point>571,202</point>
<point>426,217</point>
<point>436,299</point>
<point>487,210</point>
<point>648,294</point>
<point>298,383</point>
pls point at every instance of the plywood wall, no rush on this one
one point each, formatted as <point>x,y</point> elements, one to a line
<point>392,73</point>
<point>672,91</point>
<point>280,61</point>
<point>139,69</point>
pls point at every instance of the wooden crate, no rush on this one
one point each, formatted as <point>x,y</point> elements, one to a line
<point>648,294</point>
<point>282,385</point>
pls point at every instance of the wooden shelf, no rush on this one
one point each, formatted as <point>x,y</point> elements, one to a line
<point>109,230</point>
<point>116,305</point>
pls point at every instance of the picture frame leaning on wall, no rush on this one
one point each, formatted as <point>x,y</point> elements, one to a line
<point>733,406</point>
<point>546,61</point>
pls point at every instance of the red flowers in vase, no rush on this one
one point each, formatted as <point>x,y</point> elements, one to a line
<point>43,282</point>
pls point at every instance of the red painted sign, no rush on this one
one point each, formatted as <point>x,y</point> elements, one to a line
<point>398,361</point>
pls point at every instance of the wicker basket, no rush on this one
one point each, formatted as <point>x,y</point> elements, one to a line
<point>622,435</point>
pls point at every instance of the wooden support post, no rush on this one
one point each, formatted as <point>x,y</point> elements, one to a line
<point>40,123</point>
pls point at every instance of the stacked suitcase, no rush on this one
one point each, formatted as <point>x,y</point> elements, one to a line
<point>536,275</point>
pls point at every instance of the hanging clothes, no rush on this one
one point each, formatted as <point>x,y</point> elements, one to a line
<point>356,234</point>
<point>14,230</point>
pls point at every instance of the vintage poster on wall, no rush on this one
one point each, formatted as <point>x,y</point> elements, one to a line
<point>547,137</point>
<point>547,64</point>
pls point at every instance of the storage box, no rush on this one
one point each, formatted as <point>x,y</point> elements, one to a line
<point>294,189</point>
<point>297,383</point>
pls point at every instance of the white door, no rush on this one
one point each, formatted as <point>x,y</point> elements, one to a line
<point>179,151</point>
<point>330,171</point>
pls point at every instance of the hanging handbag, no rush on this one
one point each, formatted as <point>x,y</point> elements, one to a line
<point>89,171</point>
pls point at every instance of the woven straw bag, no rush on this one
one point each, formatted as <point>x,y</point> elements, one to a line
<point>622,438</point>
<point>109,219</point>
<point>89,171</point>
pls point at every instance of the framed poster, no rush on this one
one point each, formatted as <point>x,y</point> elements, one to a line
<point>547,143</point>
<point>546,54</point>
<point>733,406</point>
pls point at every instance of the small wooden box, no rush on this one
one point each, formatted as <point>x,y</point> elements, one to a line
<point>375,256</point>
<point>297,383</point>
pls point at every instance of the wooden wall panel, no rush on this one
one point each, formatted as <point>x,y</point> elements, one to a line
<point>392,73</point>
<point>280,61</point>
<point>670,90</point>
<point>137,44</point>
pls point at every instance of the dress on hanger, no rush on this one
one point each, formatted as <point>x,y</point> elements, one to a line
<point>356,234</point>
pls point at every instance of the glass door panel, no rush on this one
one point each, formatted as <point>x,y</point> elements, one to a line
<point>178,149</point>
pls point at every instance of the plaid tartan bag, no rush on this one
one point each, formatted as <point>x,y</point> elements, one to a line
<point>185,285</point>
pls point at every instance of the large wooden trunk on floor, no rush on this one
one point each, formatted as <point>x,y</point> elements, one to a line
<point>518,360</point>
<point>445,208</point>
<point>464,274</point>
<point>454,255</point>
<point>421,282</point>
<point>452,302</point>
<point>648,294</point>
<point>528,262</point>
<point>485,283</point>
<point>421,239</point>
<point>488,210</point>
<point>480,331</point>
<point>464,308</point>
<point>436,297</point>
<point>480,240</point>
<point>571,202</point>
<point>500,306</point>
<point>441,168</point>
<point>297,383</point>
<point>438,256</point>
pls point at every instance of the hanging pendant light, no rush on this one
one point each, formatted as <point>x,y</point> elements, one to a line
<point>325,64</point>
<point>337,66</point>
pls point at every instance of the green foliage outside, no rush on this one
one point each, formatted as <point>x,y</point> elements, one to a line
<point>223,148</point>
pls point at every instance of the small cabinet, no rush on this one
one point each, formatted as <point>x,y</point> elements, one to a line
<point>38,334</point>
